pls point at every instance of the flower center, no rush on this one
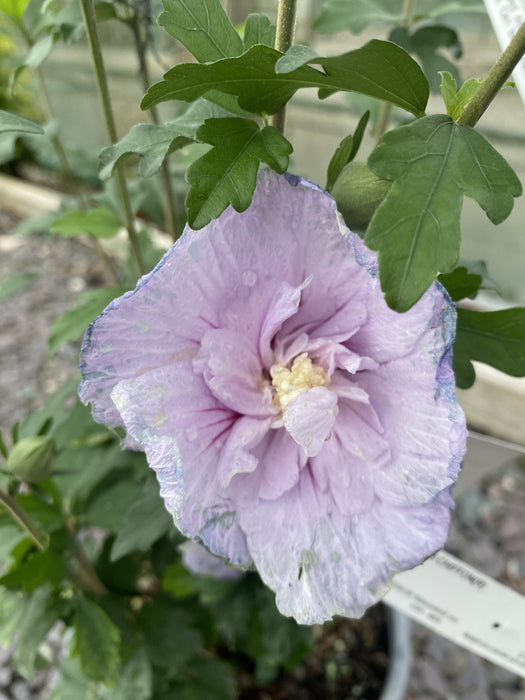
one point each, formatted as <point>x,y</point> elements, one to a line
<point>289,383</point>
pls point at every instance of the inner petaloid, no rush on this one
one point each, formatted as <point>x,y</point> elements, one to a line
<point>302,376</point>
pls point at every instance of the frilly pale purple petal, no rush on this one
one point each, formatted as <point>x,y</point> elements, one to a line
<point>294,421</point>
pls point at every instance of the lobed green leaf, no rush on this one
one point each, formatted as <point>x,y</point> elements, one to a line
<point>144,523</point>
<point>227,174</point>
<point>167,650</point>
<point>378,69</point>
<point>207,678</point>
<point>151,142</point>
<point>99,222</point>
<point>38,569</point>
<point>39,51</point>
<point>346,151</point>
<point>433,163</point>
<point>427,43</point>
<point>40,612</point>
<point>496,338</point>
<point>456,100</point>
<point>202,27</point>
<point>96,641</point>
<point>12,122</point>
<point>460,283</point>
<point>258,30</point>
<point>354,15</point>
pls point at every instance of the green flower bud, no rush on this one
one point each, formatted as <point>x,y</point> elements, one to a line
<point>358,193</point>
<point>31,459</point>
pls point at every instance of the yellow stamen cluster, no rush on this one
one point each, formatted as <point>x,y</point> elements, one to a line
<point>289,383</point>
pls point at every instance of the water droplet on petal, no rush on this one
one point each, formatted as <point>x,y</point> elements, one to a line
<point>249,278</point>
<point>191,433</point>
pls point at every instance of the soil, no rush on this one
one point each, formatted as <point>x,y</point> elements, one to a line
<point>349,660</point>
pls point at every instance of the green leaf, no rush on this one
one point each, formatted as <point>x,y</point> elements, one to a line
<point>38,569</point>
<point>16,284</point>
<point>96,641</point>
<point>71,324</point>
<point>100,222</point>
<point>11,535</point>
<point>46,515</point>
<point>177,581</point>
<point>12,608</point>
<point>104,11</point>
<point>296,56</point>
<point>39,51</point>
<point>144,523</point>
<point>12,122</point>
<point>3,447</point>
<point>346,151</point>
<point>107,508</point>
<point>208,678</point>
<point>134,682</point>
<point>496,338</point>
<point>194,117</point>
<point>228,172</point>
<point>426,43</point>
<point>56,408</point>
<point>354,15</point>
<point>258,30</point>
<point>72,683</point>
<point>40,614</point>
<point>14,9</point>
<point>80,470</point>
<point>249,621</point>
<point>456,100</point>
<point>378,69</point>
<point>449,8</point>
<point>202,27</point>
<point>433,163</point>
<point>460,283</point>
<point>170,637</point>
<point>151,142</point>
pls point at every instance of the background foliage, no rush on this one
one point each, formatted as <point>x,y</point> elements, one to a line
<point>84,537</point>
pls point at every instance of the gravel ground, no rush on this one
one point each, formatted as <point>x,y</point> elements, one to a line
<point>488,530</point>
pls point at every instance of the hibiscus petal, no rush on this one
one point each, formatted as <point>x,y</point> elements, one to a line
<point>236,455</point>
<point>321,563</point>
<point>423,424</point>
<point>310,417</point>
<point>182,429</point>
<point>232,370</point>
<point>284,304</point>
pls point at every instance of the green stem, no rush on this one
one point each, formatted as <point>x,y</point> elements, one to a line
<point>385,109</point>
<point>170,211</point>
<point>86,576</point>
<point>19,515</point>
<point>498,75</point>
<point>63,160</point>
<point>382,121</point>
<point>408,11</point>
<point>88,11</point>
<point>283,41</point>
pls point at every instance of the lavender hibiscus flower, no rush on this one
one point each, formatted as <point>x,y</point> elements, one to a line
<point>294,421</point>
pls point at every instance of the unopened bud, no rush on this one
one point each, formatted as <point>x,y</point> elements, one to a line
<point>31,459</point>
<point>358,193</point>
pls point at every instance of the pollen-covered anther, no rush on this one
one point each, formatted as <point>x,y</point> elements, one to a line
<point>289,383</point>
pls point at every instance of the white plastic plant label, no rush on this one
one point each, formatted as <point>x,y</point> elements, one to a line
<point>465,606</point>
<point>506,17</point>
